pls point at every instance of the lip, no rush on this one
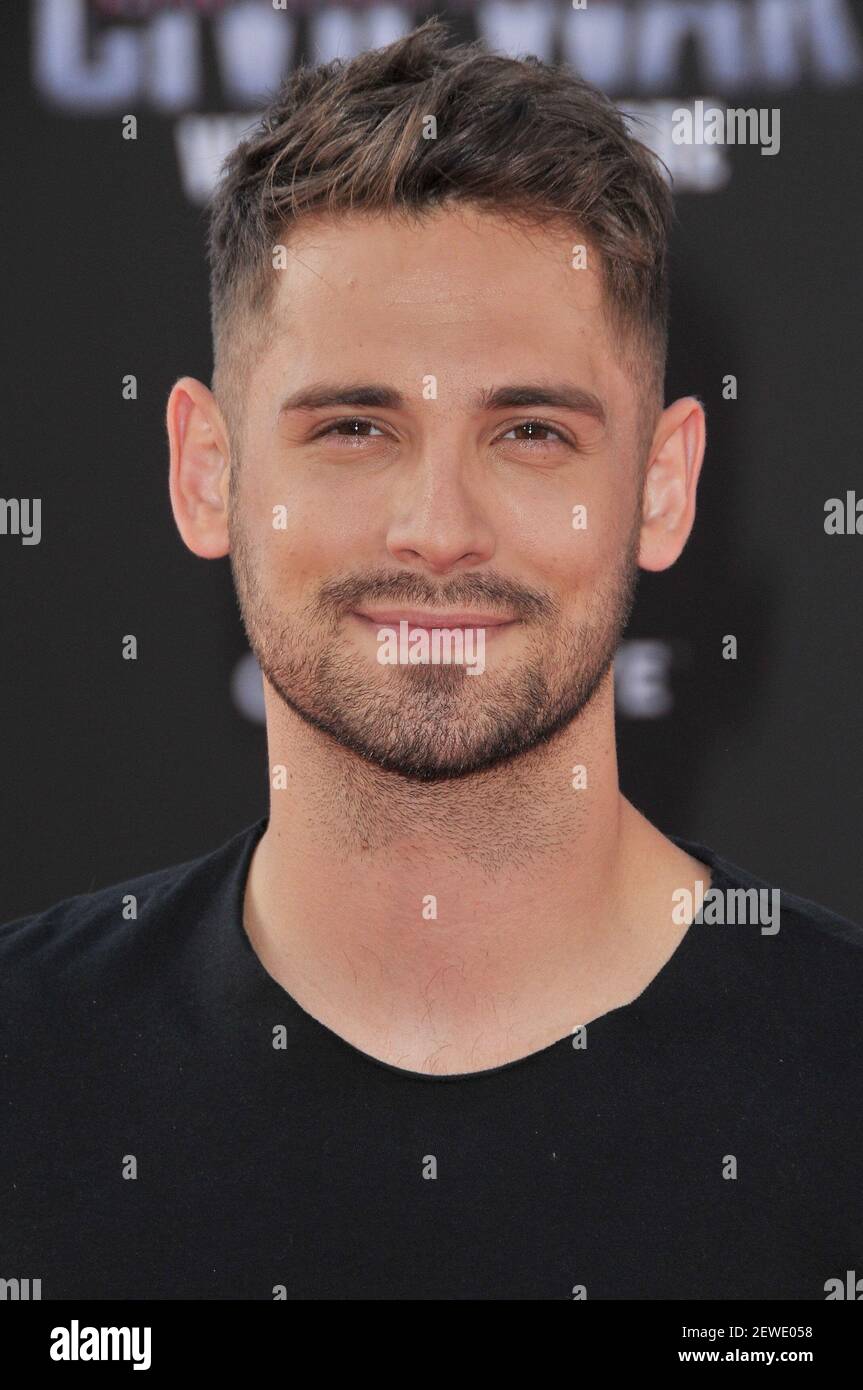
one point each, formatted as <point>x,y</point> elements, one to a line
<point>428,620</point>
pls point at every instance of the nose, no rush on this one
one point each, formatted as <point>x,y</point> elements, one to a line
<point>440,523</point>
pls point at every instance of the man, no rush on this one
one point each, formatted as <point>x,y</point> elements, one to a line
<point>453,1020</point>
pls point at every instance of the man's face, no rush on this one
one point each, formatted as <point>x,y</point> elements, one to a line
<point>419,492</point>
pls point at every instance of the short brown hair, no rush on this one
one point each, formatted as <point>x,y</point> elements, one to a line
<point>518,137</point>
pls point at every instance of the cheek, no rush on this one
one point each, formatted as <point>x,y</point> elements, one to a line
<point>301,543</point>
<point>310,511</point>
<point>286,531</point>
<point>576,547</point>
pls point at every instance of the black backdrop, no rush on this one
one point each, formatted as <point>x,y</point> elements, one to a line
<point>114,767</point>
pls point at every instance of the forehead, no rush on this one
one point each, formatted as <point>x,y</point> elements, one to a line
<point>460,293</point>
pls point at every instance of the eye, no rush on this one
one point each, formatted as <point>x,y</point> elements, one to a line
<point>538,430</point>
<point>352,427</point>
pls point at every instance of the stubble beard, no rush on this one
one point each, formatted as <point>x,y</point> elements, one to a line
<point>432,723</point>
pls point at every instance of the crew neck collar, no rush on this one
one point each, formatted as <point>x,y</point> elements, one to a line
<point>257,985</point>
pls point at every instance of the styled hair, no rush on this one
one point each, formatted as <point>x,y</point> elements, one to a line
<point>520,138</point>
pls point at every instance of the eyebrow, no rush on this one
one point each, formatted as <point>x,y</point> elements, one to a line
<point>372,396</point>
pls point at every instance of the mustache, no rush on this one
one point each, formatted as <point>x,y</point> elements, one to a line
<point>466,591</point>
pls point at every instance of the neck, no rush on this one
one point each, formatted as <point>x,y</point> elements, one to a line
<point>413,917</point>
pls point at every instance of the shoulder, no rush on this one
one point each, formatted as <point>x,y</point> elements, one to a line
<point>806,922</point>
<point>808,926</point>
<point>81,937</point>
<point>803,954</point>
<point>797,956</point>
<point>819,966</point>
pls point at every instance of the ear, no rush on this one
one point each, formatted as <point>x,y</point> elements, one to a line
<point>671,478</point>
<point>200,468</point>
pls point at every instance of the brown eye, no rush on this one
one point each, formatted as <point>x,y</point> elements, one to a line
<point>538,432</point>
<point>535,430</point>
<point>355,426</point>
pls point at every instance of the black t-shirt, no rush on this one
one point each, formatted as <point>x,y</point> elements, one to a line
<point>175,1125</point>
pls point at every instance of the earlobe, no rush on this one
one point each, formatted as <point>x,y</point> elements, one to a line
<point>198,469</point>
<point>670,483</point>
